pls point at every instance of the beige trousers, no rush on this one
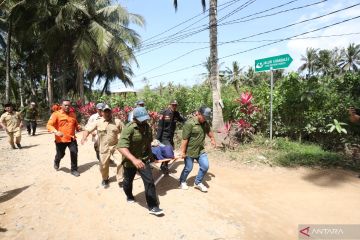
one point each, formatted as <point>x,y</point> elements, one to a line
<point>105,162</point>
<point>14,136</point>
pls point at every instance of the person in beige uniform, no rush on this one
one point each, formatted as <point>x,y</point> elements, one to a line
<point>11,122</point>
<point>108,129</point>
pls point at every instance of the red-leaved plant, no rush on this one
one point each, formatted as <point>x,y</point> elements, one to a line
<point>241,129</point>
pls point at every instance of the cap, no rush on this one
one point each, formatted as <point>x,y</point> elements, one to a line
<point>106,107</point>
<point>141,114</point>
<point>206,112</point>
<point>32,103</point>
<point>100,106</point>
<point>140,102</point>
<point>174,102</point>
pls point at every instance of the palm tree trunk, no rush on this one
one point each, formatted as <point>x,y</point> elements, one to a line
<point>218,120</point>
<point>80,82</point>
<point>32,87</point>
<point>8,47</point>
<point>236,87</point>
<point>21,92</point>
<point>50,83</point>
<point>106,83</point>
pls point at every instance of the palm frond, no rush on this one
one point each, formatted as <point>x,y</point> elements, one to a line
<point>101,36</point>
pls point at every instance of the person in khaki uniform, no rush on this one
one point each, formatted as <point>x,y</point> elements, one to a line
<point>11,122</point>
<point>108,130</point>
<point>93,118</point>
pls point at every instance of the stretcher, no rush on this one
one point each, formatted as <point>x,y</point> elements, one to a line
<point>170,162</point>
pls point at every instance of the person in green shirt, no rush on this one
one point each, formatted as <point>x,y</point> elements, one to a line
<point>30,114</point>
<point>135,146</point>
<point>192,147</point>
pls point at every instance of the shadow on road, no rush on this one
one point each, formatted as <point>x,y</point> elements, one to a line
<point>83,168</point>
<point>29,146</point>
<point>327,177</point>
<point>5,196</point>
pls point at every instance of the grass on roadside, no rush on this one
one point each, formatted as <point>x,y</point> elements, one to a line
<point>287,153</point>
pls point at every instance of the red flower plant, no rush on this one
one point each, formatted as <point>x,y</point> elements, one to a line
<point>243,124</point>
<point>246,98</point>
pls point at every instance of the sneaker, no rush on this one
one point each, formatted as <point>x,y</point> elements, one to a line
<point>130,199</point>
<point>56,166</point>
<point>75,173</point>
<point>201,187</point>
<point>13,147</point>
<point>156,211</point>
<point>18,145</point>
<point>183,186</point>
<point>120,184</point>
<point>105,183</point>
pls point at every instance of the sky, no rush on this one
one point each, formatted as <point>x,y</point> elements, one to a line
<point>161,55</point>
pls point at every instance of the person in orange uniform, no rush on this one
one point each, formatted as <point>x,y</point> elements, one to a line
<point>63,124</point>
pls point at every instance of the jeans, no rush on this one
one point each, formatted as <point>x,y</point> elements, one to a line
<point>31,125</point>
<point>148,180</point>
<point>60,153</point>
<point>189,162</point>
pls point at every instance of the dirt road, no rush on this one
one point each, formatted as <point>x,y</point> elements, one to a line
<point>243,202</point>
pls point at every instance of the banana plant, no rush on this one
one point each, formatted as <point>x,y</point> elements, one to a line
<point>337,126</point>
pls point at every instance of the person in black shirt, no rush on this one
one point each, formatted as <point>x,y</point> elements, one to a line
<point>167,125</point>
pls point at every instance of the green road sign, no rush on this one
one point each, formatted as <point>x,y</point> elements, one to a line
<point>276,62</point>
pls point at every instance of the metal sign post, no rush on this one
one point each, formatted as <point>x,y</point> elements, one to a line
<point>272,63</point>
<point>271,100</point>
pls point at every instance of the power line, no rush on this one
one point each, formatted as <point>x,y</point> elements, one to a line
<point>246,4</point>
<point>225,5</point>
<point>188,20</point>
<point>270,40</point>
<point>287,10</point>
<point>257,41</point>
<point>158,45</point>
<point>289,38</point>
<point>180,37</point>
<point>250,36</point>
<point>261,46</point>
<point>254,14</point>
<point>272,14</point>
<point>293,24</point>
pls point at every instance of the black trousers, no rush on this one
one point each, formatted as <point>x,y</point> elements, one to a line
<point>148,180</point>
<point>31,125</point>
<point>60,153</point>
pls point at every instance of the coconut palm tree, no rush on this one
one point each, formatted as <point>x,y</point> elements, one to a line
<point>218,120</point>
<point>100,31</point>
<point>324,62</point>
<point>10,11</point>
<point>350,58</point>
<point>310,60</point>
<point>234,74</point>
